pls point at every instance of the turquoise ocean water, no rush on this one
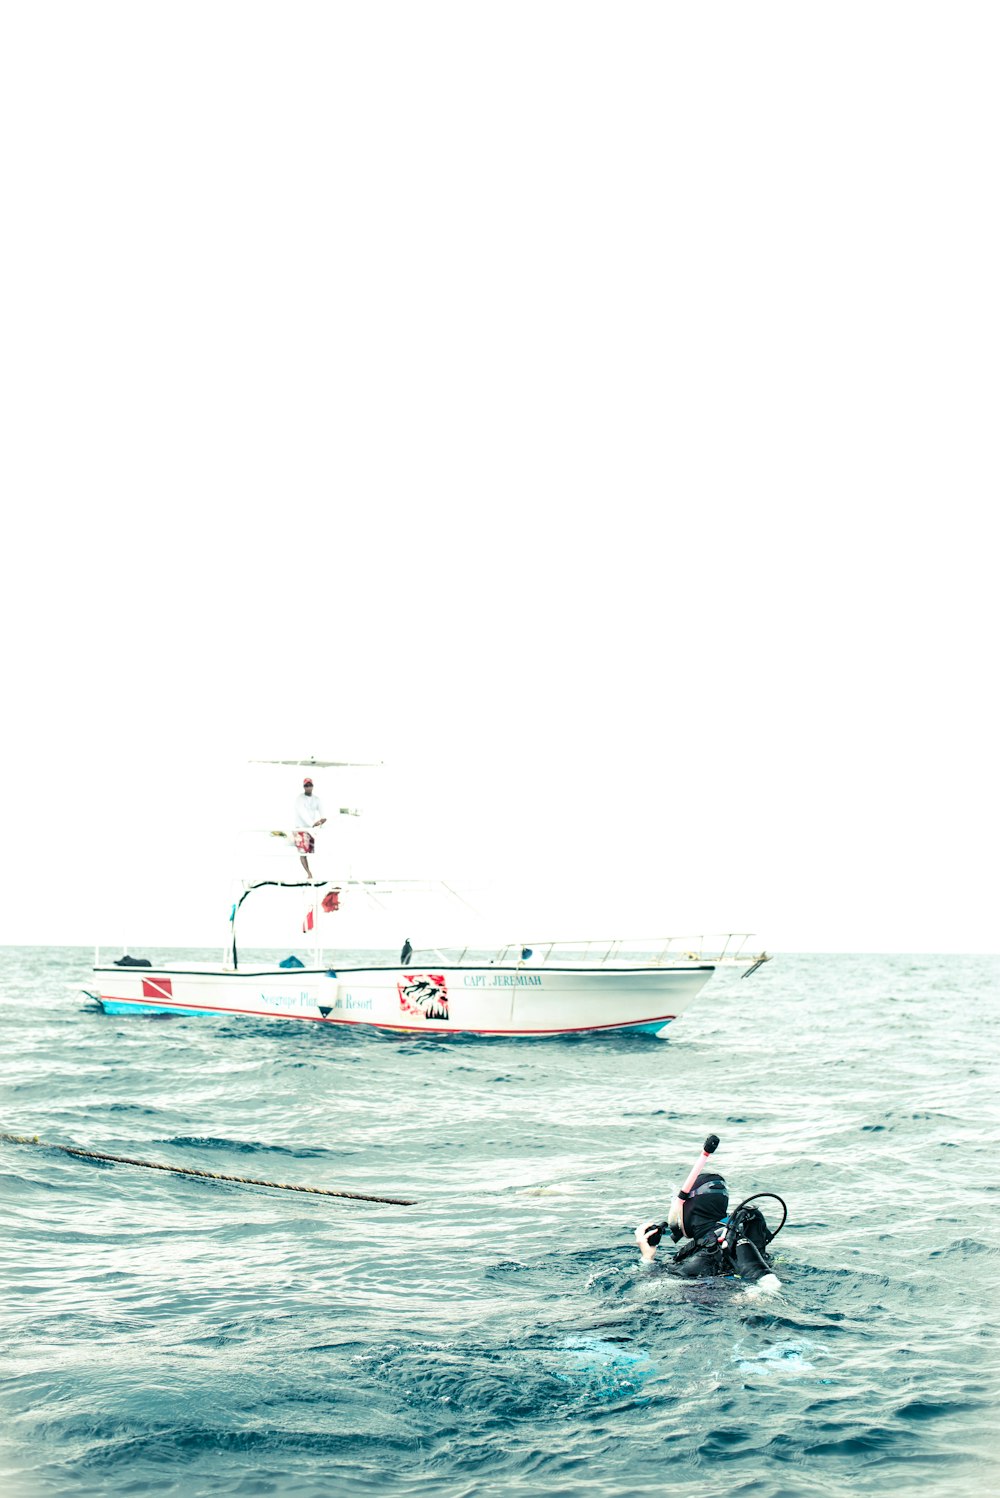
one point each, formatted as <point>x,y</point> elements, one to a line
<point>175,1336</point>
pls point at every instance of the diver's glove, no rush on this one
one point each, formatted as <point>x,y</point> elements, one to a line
<point>648,1235</point>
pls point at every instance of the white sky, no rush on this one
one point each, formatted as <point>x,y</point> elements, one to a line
<point>588,409</point>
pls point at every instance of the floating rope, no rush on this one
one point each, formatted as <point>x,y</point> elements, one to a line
<point>209,1175</point>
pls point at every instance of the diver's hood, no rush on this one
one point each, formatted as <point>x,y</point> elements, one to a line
<point>706,1206</point>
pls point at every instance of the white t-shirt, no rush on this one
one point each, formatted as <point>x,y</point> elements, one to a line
<point>307,810</point>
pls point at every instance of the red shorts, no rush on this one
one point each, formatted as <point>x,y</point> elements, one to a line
<point>305,842</point>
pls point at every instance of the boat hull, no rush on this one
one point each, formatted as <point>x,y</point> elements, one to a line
<point>511,1001</point>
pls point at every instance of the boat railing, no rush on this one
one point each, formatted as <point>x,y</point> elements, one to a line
<point>661,951</point>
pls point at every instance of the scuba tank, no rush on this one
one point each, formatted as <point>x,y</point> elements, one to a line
<point>747,1238</point>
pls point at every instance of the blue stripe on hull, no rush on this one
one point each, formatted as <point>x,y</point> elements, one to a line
<point>126,1006</point>
<point>137,1006</point>
<point>653,1027</point>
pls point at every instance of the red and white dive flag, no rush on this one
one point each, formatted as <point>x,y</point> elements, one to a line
<point>309,921</point>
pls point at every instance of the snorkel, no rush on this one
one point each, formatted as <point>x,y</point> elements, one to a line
<point>708,1148</point>
<point>648,1234</point>
<point>675,1217</point>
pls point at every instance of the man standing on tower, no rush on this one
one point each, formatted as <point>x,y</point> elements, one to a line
<point>308,814</point>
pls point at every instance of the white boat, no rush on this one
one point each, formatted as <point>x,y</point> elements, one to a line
<point>534,989</point>
<point>526,988</point>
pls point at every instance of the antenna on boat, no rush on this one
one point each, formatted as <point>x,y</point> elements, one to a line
<point>325,764</point>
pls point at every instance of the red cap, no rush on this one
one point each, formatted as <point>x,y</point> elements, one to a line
<point>307,781</point>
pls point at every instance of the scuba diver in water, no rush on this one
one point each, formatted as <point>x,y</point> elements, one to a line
<point>719,1242</point>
